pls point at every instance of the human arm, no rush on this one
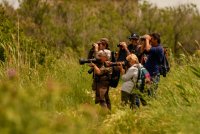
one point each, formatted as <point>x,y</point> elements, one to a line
<point>146,46</point>
<point>96,49</point>
<point>96,69</point>
<point>124,46</point>
<point>101,70</point>
<point>121,69</point>
<point>131,73</point>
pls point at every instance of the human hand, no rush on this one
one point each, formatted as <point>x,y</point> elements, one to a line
<point>96,46</point>
<point>145,58</point>
<point>148,81</point>
<point>120,66</point>
<point>92,64</point>
<point>147,37</point>
<point>108,63</point>
<point>123,45</point>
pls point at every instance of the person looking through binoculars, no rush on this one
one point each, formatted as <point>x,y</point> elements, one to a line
<point>132,48</point>
<point>155,55</point>
<point>123,51</point>
<point>100,45</point>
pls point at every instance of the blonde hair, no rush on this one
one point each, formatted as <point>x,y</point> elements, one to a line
<point>132,57</point>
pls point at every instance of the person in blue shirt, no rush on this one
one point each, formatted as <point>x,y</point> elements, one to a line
<point>155,55</point>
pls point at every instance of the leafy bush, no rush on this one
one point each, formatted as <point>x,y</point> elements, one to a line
<point>44,90</point>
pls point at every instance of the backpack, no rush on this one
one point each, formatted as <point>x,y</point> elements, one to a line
<point>143,74</point>
<point>114,79</point>
<point>164,64</point>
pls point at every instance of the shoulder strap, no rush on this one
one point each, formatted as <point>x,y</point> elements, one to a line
<point>139,74</point>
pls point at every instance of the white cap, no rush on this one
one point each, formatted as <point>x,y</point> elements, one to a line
<point>104,52</point>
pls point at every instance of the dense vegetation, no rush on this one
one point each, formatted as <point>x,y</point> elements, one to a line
<point>44,90</point>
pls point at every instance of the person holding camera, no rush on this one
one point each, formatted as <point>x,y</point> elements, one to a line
<point>155,55</point>
<point>101,79</point>
<point>130,79</point>
<point>100,46</point>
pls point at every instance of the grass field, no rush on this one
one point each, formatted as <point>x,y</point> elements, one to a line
<point>58,99</point>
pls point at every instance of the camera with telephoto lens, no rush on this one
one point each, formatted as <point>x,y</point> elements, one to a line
<point>94,60</point>
<point>83,61</point>
<point>124,63</point>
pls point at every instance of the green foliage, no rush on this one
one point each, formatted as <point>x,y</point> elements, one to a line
<point>175,110</point>
<point>32,99</point>
<point>7,30</point>
<point>44,90</point>
<point>77,24</point>
<point>58,99</point>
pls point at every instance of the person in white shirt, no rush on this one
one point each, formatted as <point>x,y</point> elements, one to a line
<point>130,79</point>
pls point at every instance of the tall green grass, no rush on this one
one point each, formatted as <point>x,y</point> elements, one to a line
<point>37,99</point>
<point>175,110</point>
<point>56,97</point>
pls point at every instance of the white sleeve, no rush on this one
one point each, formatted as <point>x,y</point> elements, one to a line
<point>130,74</point>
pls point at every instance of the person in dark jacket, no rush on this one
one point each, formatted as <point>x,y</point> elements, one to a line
<point>101,79</point>
<point>132,48</point>
<point>155,55</point>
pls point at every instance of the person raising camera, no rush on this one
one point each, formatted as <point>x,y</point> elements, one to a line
<point>101,79</point>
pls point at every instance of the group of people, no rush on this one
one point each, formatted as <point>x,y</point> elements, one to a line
<point>142,51</point>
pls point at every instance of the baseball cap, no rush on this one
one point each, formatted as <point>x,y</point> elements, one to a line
<point>105,40</point>
<point>134,36</point>
<point>105,53</point>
